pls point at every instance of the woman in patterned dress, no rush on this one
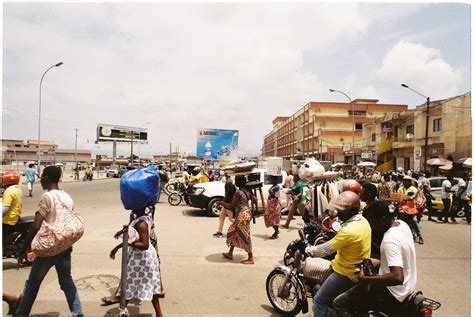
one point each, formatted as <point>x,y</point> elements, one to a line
<point>143,269</point>
<point>238,234</point>
<point>273,210</point>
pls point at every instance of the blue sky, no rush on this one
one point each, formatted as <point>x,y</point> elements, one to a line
<point>228,66</point>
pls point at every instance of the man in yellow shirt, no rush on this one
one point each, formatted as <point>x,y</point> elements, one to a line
<point>352,244</point>
<point>408,190</point>
<point>12,204</point>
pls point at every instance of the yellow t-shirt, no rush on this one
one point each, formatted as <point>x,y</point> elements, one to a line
<point>202,178</point>
<point>352,243</point>
<point>13,197</point>
<point>411,189</point>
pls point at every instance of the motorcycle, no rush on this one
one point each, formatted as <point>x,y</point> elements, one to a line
<point>315,234</point>
<point>13,242</point>
<point>288,288</point>
<point>176,197</point>
<point>88,177</point>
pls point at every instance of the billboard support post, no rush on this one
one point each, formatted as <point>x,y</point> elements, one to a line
<point>131,149</point>
<point>170,155</point>
<point>114,151</point>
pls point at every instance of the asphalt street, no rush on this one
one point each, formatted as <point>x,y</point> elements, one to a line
<point>197,279</point>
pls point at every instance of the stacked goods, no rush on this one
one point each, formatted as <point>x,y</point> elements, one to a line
<point>140,188</point>
<point>243,168</point>
<point>274,166</point>
<point>310,170</point>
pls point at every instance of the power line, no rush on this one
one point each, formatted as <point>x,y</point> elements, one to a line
<point>35,116</point>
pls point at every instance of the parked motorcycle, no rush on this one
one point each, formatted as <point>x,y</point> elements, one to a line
<point>288,288</point>
<point>13,242</point>
<point>315,234</point>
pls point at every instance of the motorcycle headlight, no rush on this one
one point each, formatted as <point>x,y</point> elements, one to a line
<point>199,190</point>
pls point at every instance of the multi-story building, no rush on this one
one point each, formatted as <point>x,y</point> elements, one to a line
<point>324,129</point>
<point>22,152</point>
<point>400,138</point>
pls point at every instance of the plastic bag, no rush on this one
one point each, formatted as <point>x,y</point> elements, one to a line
<point>140,188</point>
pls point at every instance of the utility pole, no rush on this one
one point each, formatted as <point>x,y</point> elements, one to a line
<point>131,149</point>
<point>75,157</point>
<point>170,155</point>
<point>426,132</point>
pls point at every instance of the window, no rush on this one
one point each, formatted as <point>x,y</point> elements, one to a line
<point>373,137</point>
<point>358,113</point>
<point>411,129</point>
<point>358,126</point>
<point>437,125</point>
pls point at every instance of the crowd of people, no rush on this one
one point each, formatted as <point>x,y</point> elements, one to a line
<point>369,230</point>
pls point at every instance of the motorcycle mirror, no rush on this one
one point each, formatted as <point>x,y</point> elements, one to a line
<point>301,234</point>
<point>391,208</point>
<point>336,226</point>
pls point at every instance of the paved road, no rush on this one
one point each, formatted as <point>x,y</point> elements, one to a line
<point>197,279</point>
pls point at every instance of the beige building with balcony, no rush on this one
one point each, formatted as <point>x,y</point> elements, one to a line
<point>324,129</point>
<point>399,139</point>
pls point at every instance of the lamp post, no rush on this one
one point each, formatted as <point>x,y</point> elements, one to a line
<point>353,123</point>
<point>39,116</point>
<point>138,144</point>
<point>426,126</point>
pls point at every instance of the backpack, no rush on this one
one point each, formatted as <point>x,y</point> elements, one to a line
<point>58,236</point>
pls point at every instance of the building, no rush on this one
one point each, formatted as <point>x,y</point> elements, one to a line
<point>399,139</point>
<point>324,129</point>
<point>14,151</point>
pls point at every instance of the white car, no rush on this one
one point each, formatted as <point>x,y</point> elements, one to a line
<point>206,195</point>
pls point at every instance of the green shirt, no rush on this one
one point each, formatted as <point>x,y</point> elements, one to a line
<point>296,189</point>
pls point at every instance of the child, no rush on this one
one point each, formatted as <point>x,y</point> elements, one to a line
<point>273,212</point>
<point>143,268</point>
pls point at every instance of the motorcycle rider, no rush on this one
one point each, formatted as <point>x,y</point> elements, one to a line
<point>410,192</point>
<point>461,199</point>
<point>12,202</point>
<point>352,244</point>
<point>397,277</point>
<point>88,171</point>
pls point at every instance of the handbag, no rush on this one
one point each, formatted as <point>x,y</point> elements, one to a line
<point>58,236</point>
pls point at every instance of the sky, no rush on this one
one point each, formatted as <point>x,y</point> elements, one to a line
<point>186,66</point>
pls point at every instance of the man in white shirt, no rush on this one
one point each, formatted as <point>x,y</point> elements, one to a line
<point>397,276</point>
<point>446,198</point>
<point>462,199</point>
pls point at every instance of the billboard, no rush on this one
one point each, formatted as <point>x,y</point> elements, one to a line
<point>109,133</point>
<point>217,144</point>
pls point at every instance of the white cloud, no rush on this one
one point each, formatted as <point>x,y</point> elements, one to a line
<point>421,67</point>
<point>182,66</point>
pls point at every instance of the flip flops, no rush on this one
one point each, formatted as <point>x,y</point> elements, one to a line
<point>107,300</point>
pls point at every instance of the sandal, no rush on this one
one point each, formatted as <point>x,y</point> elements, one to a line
<point>161,295</point>
<point>247,261</point>
<point>227,256</point>
<point>13,306</point>
<point>107,300</point>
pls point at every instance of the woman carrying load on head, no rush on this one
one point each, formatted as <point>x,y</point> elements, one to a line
<point>238,234</point>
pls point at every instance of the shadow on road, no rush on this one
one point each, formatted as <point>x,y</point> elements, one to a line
<point>194,213</point>
<point>10,265</point>
<point>132,311</point>
<point>50,314</point>
<point>219,258</point>
<point>270,309</point>
<point>262,236</point>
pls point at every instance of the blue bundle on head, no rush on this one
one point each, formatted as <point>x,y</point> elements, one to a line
<point>140,188</point>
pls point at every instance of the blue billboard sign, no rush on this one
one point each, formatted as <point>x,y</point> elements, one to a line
<point>217,144</point>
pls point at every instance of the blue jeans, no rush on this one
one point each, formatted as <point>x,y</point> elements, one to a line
<point>334,285</point>
<point>41,266</point>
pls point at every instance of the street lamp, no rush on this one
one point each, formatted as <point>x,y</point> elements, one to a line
<point>427,123</point>
<point>131,156</point>
<point>353,123</point>
<point>39,116</point>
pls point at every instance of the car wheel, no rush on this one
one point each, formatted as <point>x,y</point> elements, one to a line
<point>212,209</point>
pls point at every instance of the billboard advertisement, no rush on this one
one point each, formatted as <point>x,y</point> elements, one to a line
<point>108,133</point>
<point>217,144</point>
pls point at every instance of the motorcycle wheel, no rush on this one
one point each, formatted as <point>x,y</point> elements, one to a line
<point>174,199</point>
<point>289,306</point>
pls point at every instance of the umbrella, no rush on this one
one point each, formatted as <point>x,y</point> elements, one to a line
<point>446,167</point>
<point>438,161</point>
<point>366,164</point>
<point>466,162</point>
<point>339,165</point>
